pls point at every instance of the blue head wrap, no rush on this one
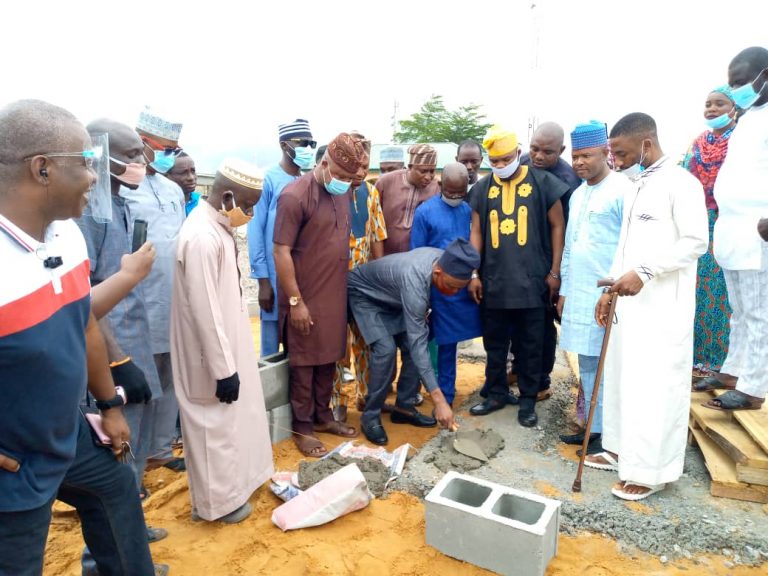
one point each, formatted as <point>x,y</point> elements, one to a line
<point>725,90</point>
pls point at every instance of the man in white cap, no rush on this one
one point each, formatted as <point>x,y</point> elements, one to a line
<point>226,438</point>
<point>160,203</point>
<point>297,146</point>
<point>391,158</point>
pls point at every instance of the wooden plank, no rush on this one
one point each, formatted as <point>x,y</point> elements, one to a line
<point>723,472</point>
<point>730,436</point>
<point>755,422</point>
<point>751,475</point>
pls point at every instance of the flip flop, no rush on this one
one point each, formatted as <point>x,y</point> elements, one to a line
<point>337,428</point>
<point>711,383</point>
<point>310,446</point>
<point>733,400</point>
<point>652,489</point>
<point>542,395</point>
<point>612,465</point>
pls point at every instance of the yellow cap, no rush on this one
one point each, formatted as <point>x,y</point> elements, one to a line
<point>500,141</point>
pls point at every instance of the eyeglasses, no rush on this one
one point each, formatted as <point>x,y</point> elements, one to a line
<point>89,156</point>
<point>303,142</point>
<point>156,146</point>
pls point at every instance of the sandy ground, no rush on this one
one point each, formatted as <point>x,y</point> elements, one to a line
<point>386,538</point>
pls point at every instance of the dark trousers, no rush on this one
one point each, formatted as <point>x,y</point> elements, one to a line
<point>528,326</point>
<point>550,347</point>
<point>311,388</point>
<point>381,359</point>
<point>104,493</point>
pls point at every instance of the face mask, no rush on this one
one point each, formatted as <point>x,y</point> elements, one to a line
<point>163,162</point>
<point>336,187</point>
<point>134,172</point>
<point>745,96</point>
<point>304,157</point>
<point>236,216</point>
<point>719,122</point>
<point>452,202</point>
<point>508,170</point>
<point>634,171</point>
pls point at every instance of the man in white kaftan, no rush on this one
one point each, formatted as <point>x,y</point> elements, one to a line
<point>215,370</point>
<point>647,373</point>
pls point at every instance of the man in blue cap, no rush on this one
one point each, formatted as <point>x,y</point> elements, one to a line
<point>390,300</point>
<point>298,148</point>
<point>590,243</point>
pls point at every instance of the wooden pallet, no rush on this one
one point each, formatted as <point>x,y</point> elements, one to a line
<point>755,422</point>
<point>722,469</point>
<point>750,459</point>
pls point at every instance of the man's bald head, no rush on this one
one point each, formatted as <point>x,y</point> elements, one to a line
<point>122,138</point>
<point>30,127</point>
<point>456,173</point>
<point>547,145</point>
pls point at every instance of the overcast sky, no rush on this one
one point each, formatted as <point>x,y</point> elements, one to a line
<point>232,71</point>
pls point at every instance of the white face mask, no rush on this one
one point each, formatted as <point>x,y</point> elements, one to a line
<point>452,202</point>
<point>508,170</point>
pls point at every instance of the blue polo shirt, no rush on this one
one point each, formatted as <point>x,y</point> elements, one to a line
<point>43,366</point>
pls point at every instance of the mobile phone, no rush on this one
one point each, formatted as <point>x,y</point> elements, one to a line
<point>94,421</point>
<point>139,234</point>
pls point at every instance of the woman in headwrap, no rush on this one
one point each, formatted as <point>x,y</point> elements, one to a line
<point>703,160</point>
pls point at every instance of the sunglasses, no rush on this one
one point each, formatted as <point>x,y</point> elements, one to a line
<point>89,156</point>
<point>156,146</point>
<point>303,142</point>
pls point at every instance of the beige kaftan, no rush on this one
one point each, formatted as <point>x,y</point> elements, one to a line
<point>227,446</point>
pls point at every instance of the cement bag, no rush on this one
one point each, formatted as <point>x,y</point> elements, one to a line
<point>340,493</point>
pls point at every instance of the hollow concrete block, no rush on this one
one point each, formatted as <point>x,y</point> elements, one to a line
<point>279,419</point>
<point>273,371</point>
<point>495,527</point>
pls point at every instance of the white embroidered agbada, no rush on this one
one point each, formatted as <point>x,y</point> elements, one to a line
<point>226,446</point>
<point>648,365</point>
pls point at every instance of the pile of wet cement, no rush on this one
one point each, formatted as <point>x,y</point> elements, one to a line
<point>445,457</point>
<point>376,474</point>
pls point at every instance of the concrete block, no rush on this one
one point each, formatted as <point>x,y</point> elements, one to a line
<point>492,526</point>
<point>273,371</point>
<point>280,423</point>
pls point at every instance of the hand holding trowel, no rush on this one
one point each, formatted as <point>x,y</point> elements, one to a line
<point>466,443</point>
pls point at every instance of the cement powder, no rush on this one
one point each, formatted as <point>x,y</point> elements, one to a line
<point>446,458</point>
<point>376,474</point>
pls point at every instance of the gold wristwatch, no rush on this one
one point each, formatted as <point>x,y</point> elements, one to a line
<point>294,300</point>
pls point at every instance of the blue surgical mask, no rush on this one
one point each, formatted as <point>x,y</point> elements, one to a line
<point>337,187</point>
<point>745,96</point>
<point>163,161</point>
<point>452,202</point>
<point>634,171</point>
<point>720,122</point>
<point>304,157</point>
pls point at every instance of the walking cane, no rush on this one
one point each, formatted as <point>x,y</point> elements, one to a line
<point>604,282</point>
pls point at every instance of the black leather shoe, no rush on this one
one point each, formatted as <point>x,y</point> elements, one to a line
<point>487,406</point>
<point>512,399</point>
<point>594,447</point>
<point>375,433</point>
<point>578,439</point>
<point>414,418</point>
<point>527,419</point>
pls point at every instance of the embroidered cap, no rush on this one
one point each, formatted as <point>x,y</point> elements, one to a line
<point>347,152</point>
<point>392,154</point>
<point>151,123</point>
<point>592,134</point>
<point>459,259</point>
<point>243,173</point>
<point>423,155</point>
<point>299,128</point>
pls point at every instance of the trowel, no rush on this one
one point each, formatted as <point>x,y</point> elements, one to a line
<point>465,443</point>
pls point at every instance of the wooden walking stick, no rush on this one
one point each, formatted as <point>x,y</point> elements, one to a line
<point>604,282</point>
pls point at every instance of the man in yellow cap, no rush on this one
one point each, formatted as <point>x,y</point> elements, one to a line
<point>226,439</point>
<point>518,228</point>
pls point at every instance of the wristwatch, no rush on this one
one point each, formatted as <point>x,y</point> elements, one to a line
<point>118,400</point>
<point>294,300</point>
<point>475,276</point>
<point>555,276</point>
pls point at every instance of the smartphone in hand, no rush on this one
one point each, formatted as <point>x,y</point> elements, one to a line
<point>139,234</point>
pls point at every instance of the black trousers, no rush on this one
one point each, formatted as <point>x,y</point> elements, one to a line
<point>528,327</point>
<point>549,348</point>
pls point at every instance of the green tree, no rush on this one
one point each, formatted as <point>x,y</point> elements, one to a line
<point>435,123</point>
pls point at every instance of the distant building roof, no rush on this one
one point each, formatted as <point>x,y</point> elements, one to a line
<point>446,153</point>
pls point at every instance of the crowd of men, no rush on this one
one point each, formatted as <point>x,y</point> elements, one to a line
<point>112,345</point>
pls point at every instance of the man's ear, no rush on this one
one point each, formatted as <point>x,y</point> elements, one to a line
<point>562,149</point>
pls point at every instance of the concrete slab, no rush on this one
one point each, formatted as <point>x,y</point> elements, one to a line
<point>273,371</point>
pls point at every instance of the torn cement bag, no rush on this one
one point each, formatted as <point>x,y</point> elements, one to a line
<point>340,493</point>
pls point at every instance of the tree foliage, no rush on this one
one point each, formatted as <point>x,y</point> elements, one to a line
<point>435,123</point>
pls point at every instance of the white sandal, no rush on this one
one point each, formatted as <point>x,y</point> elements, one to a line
<point>652,489</point>
<point>612,464</point>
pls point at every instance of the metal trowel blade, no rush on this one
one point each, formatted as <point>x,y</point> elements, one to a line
<point>469,448</point>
